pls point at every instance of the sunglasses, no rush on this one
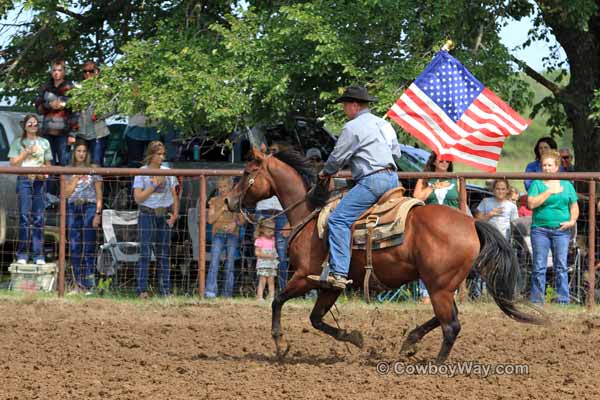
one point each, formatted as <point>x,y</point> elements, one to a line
<point>315,158</point>
<point>89,71</point>
<point>566,157</point>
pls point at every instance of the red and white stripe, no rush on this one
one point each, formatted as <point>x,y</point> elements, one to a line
<point>475,139</point>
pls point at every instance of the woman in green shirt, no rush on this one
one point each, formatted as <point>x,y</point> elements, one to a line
<point>436,191</point>
<point>555,212</point>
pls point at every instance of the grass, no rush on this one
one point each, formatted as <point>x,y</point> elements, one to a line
<point>346,303</point>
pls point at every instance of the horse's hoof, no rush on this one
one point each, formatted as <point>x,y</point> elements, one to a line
<point>356,338</point>
<point>409,349</point>
<point>281,355</point>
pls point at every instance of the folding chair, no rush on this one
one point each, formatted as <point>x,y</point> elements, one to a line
<point>121,245</point>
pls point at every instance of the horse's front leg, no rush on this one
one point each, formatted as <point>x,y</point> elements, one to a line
<point>325,301</point>
<point>296,287</point>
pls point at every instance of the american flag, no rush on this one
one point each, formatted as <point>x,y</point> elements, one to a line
<point>454,114</point>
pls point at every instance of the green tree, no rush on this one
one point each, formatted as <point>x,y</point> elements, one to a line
<point>216,65</point>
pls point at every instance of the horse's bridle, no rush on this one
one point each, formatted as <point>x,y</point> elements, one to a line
<point>249,219</point>
<point>294,229</point>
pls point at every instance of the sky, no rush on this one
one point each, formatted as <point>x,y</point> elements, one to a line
<point>515,33</point>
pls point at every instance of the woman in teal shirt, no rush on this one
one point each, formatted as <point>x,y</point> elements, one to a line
<point>555,212</point>
<point>436,191</point>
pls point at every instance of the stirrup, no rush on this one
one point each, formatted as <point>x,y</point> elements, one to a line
<point>330,281</point>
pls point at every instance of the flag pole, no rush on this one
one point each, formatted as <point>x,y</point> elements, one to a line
<point>449,45</point>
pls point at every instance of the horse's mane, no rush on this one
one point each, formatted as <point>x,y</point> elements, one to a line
<point>302,165</point>
<point>319,195</point>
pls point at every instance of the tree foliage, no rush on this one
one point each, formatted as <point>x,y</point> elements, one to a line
<point>218,65</point>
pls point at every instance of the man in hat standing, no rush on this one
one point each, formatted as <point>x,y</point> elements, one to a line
<point>368,145</point>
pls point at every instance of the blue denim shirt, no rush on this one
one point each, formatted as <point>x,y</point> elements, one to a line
<point>367,143</point>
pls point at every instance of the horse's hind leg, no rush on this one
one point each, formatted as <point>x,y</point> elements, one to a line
<point>324,303</point>
<point>408,347</point>
<point>447,313</point>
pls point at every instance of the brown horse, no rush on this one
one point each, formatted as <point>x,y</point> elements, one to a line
<point>441,245</point>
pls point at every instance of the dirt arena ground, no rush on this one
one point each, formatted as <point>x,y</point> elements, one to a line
<point>106,349</point>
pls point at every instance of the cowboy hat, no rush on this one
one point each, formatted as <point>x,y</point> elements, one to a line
<point>356,94</point>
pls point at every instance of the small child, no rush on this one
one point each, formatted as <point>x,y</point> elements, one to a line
<point>266,258</point>
<point>499,210</point>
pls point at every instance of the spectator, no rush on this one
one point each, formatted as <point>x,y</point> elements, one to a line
<point>523,209</point>
<point>513,195</point>
<point>314,156</point>
<point>266,258</point>
<point>84,208</point>
<point>92,128</point>
<point>138,134</point>
<point>159,207</point>
<point>269,208</point>
<point>498,210</point>
<point>58,120</point>
<point>436,191</point>
<point>30,150</point>
<point>555,212</point>
<point>566,160</point>
<point>542,145</point>
<point>225,236</point>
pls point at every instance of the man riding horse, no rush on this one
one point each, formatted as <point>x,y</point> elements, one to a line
<point>368,144</point>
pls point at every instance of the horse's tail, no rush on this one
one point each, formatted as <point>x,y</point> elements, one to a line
<point>499,268</point>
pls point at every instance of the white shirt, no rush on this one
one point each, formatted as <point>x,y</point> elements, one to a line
<point>272,203</point>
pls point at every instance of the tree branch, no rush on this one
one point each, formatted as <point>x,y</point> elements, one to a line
<point>70,13</point>
<point>539,78</point>
<point>32,40</point>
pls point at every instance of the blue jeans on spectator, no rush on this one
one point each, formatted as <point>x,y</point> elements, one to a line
<point>220,242</point>
<point>82,242</point>
<point>154,234</point>
<point>31,194</point>
<point>422,289</point>
<point>59,148</point>
<point>542,240</point>
<point>362,196</point>
<point>97,147</point>
<point>280,245</point>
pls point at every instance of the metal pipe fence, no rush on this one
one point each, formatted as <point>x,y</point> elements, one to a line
<point>191,243</point>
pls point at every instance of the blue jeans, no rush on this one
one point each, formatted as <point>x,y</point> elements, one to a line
<point>280,246</point>
<point>82,236</point>
<point>542,240</point>
<point>422,289</point>
<point>154,234</point>
<point>96,148</point>
<point>59,148</point>
<point>220,242</point>
<point>363,195</point>
<point>31,194</point>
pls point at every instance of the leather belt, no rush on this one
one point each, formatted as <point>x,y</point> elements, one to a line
<point>81,202</point>
<point>387,169</point>
<point>158,211</point>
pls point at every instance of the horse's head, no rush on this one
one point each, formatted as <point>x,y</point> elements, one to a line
<point>256,183</point>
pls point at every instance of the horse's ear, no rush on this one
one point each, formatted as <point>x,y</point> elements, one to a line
<point>263,148</point>
<point>257,154</point>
